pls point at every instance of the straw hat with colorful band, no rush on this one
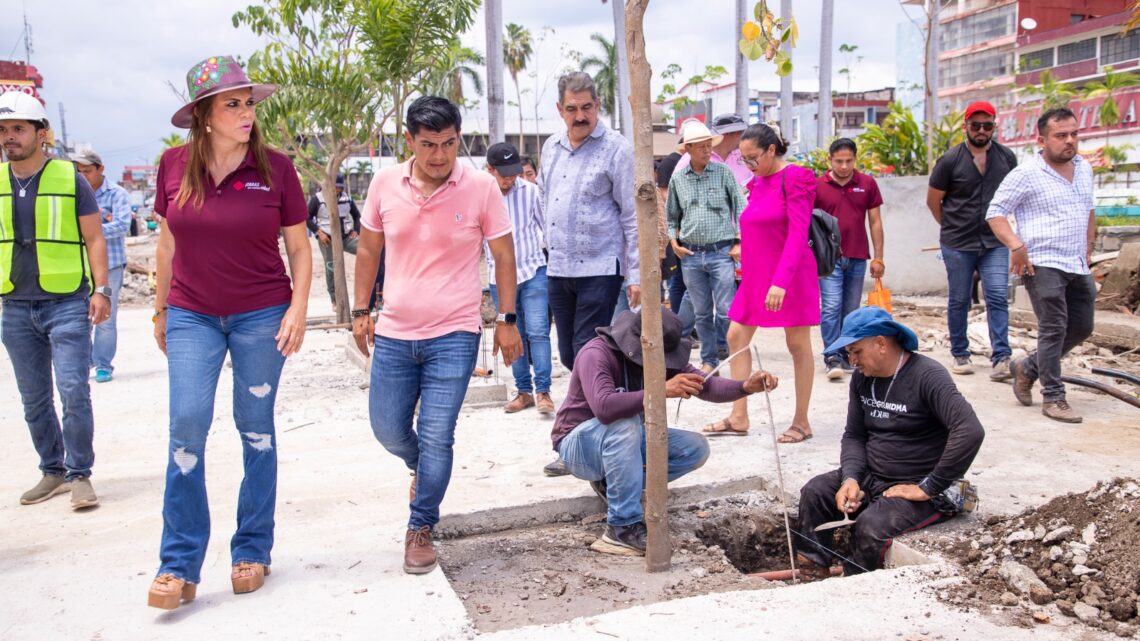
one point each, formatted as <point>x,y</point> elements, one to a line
<point>212,76</point>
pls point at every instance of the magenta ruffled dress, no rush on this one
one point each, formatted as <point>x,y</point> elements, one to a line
<point>774,251</point>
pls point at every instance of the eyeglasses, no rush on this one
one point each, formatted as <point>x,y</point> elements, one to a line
<point>978,126</point>
<point>751,163</point>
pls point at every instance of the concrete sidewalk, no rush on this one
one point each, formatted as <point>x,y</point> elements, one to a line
<point>342,511</point>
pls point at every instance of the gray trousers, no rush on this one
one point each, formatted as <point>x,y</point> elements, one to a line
<point>1063,304</point>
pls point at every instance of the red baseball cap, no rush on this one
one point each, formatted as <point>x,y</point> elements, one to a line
<point>979,106</point>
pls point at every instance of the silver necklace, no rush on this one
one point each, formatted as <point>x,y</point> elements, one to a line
<point>898,366</point>
<point>24,185</point>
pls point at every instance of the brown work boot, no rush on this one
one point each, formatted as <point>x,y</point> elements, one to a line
<point>1060,411</point>
<point>519,403</point>
<point>419,553</point>
<point>545,404</point>
<point>1022,383</point>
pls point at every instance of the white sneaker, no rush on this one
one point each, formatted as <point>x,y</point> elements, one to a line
<point>962,366</point>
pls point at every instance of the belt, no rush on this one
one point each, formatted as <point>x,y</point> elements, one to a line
<point>710,247</point>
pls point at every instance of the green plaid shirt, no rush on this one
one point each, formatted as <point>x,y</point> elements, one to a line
<point>704,209</point>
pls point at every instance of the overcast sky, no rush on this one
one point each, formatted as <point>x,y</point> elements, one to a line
<point>109,63</point>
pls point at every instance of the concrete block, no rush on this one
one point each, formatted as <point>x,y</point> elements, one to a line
<point>1123,273</point>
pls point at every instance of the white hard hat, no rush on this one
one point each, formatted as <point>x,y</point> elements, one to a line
<point>17,105</point>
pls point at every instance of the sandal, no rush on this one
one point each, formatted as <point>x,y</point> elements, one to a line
<point>248,577</point>
<point>723,427</point>
<point>167,592</point>
<point>794,434</point>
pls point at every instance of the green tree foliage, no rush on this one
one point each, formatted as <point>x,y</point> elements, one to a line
<point>604,70</point>
<point>457,65</point>
<point>896,146</point>
<point>711,73</point>
<point>517,50</point>
<point>173,140</point>
<point>767,35</point>
<point>1050,91</point>
<point>1107,88</point>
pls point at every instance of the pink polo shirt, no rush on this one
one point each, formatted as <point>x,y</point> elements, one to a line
<point>432,246</point>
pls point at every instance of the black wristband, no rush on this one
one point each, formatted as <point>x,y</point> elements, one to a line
<point>357,313</point>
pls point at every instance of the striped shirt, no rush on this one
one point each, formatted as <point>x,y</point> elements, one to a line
<point>114,203</point>
<point>1052,214</point>
<point>526,227</point>
<point>704,208</point>
<point>587,201</point>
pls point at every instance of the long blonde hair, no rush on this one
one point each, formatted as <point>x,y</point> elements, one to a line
<point>198,143</point>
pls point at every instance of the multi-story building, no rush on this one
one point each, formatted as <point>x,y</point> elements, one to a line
<point>1076,49</point>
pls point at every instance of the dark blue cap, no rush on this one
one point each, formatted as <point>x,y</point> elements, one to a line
<point>873,321</point>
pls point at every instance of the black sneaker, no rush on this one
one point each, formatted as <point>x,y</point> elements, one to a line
<point>626,540</point>
<point>599,488</point>
<point>556,468</point>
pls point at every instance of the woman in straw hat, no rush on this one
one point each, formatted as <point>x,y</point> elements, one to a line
<point>224,197</point>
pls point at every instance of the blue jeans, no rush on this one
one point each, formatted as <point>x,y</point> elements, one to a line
<point>839,295</point>
<point>42,336</point>
<point>105,340</point>
<point>532,300</point>
<point>993,266</point>
<point>615,453</point>
<point>434,372</point>
<point>196,346</point>
<point>710,280</point>
<point>580,306</point>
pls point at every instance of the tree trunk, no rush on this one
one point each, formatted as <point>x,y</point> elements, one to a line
<point>826,24</point>
<point>741,61</point>
<point>621,100</point>
<point>659,551</point>
<point>787,98</point>
<point>930,75</point>
<point>340,283</point>
<point>496,114</point>
<point>518,95</point>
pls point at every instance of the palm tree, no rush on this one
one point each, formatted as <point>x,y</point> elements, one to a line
<point>516,54</point>
<point>173,140</point>
<point>1109,113</point>
<point>604,71</point>
<point>455,67</point>
<point>1052,92</point>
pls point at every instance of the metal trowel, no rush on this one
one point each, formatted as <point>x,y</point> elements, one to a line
<point>831,525</point>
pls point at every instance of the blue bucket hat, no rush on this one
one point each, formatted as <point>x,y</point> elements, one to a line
<point>873,321</point>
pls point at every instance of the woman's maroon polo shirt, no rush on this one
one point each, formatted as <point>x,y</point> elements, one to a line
<point>849,203</point>
<point>226,257</point>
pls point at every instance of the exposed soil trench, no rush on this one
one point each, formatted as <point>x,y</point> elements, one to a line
<point>548,574</point>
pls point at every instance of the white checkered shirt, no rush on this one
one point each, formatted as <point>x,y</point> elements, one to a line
<point>1052,214</point>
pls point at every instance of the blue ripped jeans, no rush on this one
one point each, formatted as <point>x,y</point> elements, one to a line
<point>196,347</point>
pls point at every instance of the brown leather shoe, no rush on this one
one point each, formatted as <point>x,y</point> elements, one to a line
<point>545,404</point>
<point>1022,383</point>
<point>419,553</point>
<point>519,403</point>
<point>1060,411</point>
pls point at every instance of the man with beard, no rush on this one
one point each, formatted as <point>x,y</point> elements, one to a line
<point>961,187</point>
<point>1051,198</point>
<point>53,278</point>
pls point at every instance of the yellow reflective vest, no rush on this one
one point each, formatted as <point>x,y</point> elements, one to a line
<point>61,257</point>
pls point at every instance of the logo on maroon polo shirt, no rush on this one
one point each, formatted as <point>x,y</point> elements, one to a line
<point>458,217</point>
<point>239,185</point>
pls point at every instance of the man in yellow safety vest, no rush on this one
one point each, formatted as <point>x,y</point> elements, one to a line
<point>53,281</point>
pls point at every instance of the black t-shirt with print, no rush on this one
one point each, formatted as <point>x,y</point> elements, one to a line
<point>923,432</point>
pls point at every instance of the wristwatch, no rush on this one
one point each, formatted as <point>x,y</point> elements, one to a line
<point>106,291</point>
<point>508,318</point>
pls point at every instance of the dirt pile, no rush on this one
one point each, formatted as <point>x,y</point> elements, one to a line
<point>137,290</point>
<point>1078,552</point>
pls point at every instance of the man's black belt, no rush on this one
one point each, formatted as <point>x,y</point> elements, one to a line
<point>711,247</point>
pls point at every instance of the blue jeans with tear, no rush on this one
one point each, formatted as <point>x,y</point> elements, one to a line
<point>196,347</point>
<point>435,372</point>
<point>42,337</point>
<point>615,453</point>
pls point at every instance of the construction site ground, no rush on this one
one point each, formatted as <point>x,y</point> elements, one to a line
<point>514,558</point>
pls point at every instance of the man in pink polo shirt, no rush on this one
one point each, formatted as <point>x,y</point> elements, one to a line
<point>430,216</point>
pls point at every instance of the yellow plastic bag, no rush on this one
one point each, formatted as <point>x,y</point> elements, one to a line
<point>880,296</point>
